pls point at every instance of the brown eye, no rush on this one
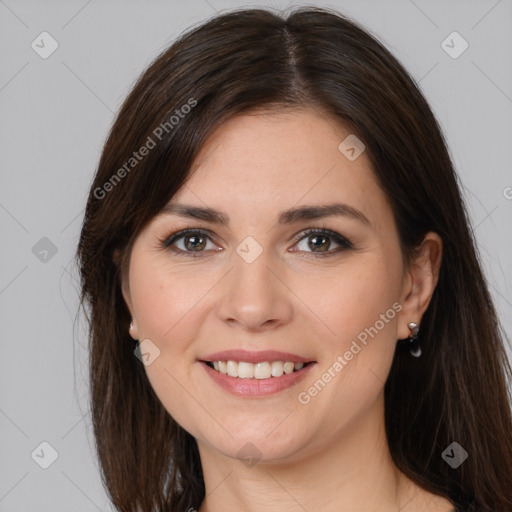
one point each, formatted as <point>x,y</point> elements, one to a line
<point>188,242</point>
<point>193,242</point>
<point>320,241</point>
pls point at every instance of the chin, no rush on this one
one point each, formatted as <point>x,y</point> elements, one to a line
<point>251,447</point>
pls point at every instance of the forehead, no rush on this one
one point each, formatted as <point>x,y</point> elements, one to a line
<point>256,163</point>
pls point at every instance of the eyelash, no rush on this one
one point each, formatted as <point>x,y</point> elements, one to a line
<point>166,242</point>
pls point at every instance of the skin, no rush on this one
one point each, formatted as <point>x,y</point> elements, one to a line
<point>330,454</point>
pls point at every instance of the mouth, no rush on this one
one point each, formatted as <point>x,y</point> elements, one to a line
<point>256,374</point>
<point>261,370</point>
<point>248,374</point>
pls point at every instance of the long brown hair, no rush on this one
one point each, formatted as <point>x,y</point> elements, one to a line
<point>253,59</point>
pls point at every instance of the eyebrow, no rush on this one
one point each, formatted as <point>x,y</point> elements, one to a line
<point>293,215</point>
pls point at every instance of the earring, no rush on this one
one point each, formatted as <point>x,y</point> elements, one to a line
<point>131,331</point>
<point>414,345</point>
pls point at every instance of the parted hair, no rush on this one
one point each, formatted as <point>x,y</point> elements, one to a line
<point>247,60</point>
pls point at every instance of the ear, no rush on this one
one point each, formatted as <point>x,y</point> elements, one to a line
<point>419,283</point>
<point>125,290</point>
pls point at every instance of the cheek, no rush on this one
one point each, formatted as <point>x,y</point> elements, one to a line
<point>168,308</point>
<point>166,302</point>
<point>361,315</point>
<point>356,301</point>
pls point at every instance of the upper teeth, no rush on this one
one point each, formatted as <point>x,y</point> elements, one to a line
<point>263,370</point>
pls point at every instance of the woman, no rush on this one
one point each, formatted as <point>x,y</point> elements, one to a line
<point>286,304</point>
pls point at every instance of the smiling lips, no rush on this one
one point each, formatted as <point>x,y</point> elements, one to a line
<point>246,373</point>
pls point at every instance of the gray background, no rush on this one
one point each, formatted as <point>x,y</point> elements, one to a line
<point>55,115</point>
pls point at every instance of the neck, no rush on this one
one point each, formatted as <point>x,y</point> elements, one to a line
<point>356,473</point>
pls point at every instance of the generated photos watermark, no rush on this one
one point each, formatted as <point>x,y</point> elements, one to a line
<point>341,361</point>
<point>151,142</point>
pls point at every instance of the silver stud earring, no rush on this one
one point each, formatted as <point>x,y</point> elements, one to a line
<point>414,345</point>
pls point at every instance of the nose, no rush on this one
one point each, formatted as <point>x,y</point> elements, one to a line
<point>254,296</point>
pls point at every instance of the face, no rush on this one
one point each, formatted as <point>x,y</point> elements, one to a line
<point>272,289</point>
